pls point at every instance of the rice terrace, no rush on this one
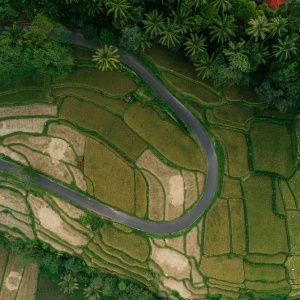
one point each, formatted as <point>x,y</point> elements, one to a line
<point>145,182</point>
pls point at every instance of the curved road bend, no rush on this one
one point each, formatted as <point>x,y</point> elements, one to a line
<point>120,217</point>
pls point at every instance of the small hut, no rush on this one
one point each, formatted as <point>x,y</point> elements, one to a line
<point>79,162</point>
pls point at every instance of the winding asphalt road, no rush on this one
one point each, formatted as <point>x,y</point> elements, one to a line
<point>120,217</point>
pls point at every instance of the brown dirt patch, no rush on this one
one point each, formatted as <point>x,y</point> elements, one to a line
<point>176,286</point>
<point>29,283</point>
<point>176,243</point>
<point>28,110</point>
<point>171,180</point>
<point>171,262</point>
<point>195,291</point>
<point>201,182</point>
<point>33,125</point>
<point>56,148</point>
<point>79,178</point>
<point>13,200</point>
<point>76,139</point>
<point>13,155</point>
<point>192,243</point>
<point>46,164</point>
<point>8,220</point>
<point>191,190</point>
<point>156,205</point>
<point>7,184</point>
<point>52,221</point>
<point>196,276</point>
<point>159,242</point>
<point>19,216</point>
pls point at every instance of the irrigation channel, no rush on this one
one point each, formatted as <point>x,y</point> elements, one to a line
<point>195,127</point>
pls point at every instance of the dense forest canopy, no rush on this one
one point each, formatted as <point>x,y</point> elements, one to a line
<point>229,41</point>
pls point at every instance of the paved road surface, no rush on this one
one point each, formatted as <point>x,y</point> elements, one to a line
<point>120,217</point>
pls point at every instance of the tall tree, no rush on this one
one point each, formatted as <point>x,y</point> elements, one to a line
<point>92,292</point>
<point>223,29</point>
<point>258,28</point>
<point>221,5</point>
<point>119,8</point>
<point>278,26</point>
<point>285,48</point>
<point>203,64</point>
<point>154,23</point>
<point>170,35</point>
<point>183,19</point>
<point>68,283</point>
<point>107,58</point>
<point>195,45</point>
<point>235,48</point>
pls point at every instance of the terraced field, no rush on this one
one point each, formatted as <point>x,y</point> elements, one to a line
<point>246,243</point>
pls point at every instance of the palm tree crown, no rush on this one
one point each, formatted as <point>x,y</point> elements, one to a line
<point>284,49</point>
<point>235,48</point>
<point>278,25</point>
<point>221,5</point>
<point>154,23</point>
<point>258,28</point>
<point>170,35</point>
<point>107,58</point>
<point>119,8</point>
<point>195,45</point>
<point>69,283</point>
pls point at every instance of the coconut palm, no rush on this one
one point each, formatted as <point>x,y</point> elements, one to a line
<point>107,58</point>
<point>195,45</point>
<point>260,51</point>
<point>154,23</point>
<point>235,48</point>
<point>203,64</point>
<point>170,34</point>
<point>69,283</point>
<point>223,29</point>
<point>94,7</point>
<point>183,19</point>
<point>285,48</point>
<point>278,26</point>
<point>92,292</point>
<point>120,8</point>
<point>199,3</point>
<point>221,5</point>
<point>258,28</point>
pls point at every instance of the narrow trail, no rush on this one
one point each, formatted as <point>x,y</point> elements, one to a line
<point>195,127</point>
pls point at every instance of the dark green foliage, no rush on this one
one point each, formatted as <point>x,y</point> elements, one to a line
<point>132,39</point>
<point>90,32</point>
<point>93,220</point>
<point>108,37</point>
<point>243,10</point>
<point>7,12</point>
<point>24,173</point>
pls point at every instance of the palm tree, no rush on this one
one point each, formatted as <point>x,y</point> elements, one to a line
<point>170,35</point>
<point>278,25</point>
<point>107,58</point>
<point>94,7</point>
<point>119,8</point>
<point>199,3</point>
<point>260,51</point>
<point>154,23</point>
<point>221,5</point>
<point>195,45</point>
<point>183,20</point>
<point>284,49</point>
<point>68,283</point>
<point>223,29</point>
<point>258,28</point>
<point>203,64</point>
<point>92,292</point>
<point>235,48</point>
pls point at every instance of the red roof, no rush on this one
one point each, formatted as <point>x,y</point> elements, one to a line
<point>274,3</point>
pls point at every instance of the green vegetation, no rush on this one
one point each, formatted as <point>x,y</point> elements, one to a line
<point>47,289</point>
<point>264,273</point>
<point>24,97</point>
<point>269,141</point>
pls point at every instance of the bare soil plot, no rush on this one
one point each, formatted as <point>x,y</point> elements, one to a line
<point>217,229</point>
<point>171,180</point>
<point>191,189</point>
<point>156,193</point>
<point>12,278</point>
<point>52,221</point>
<point>46,164</point>
<point>56,148</point>
<point>33,125</point>
<point>47,289</point>
<point>169,139</point>
<point>76,139</point>
<point>112,178</point>
<point>132,244</point>
<point>176,286</point>
<point>79,177</point>
<point>11,232</point>
<point>3,260</point>
<point>193,241</point>
<point>196,277</point>
<point>13,155</point>
<point>171,262</point>
<point>28,110</point>
<point>176,243</point>
<point>17,215</point>
<point>28,284</point>
<point>13,200</point>
<point>12,186</point>
<point>259,206</point>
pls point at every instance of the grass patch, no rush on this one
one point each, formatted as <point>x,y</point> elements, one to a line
<point>112,178</point>
<point>288,198</point>
<point>217,231</point>
<point>224,268</point>
<point>262,222</point>
<point>272,148</point>
<point>111,82</point>
<point>24,97</point>
<point>241,93</point>
<point>141,201</point>
<point>48,290</point>
<point>264,272</point>
<point>294,186</point>
<point>298,135</point>
<point>239,114</point>
<point>3,260</point>
<point>277,259</point>
<point>268,286</point>
<point>104,123</point>
<point>167,138</point>
<point>231,188</point>
<point>237,151</point>
<point>293,266</point>
<point>238,227</point>
<point>199,92</point>
<point>80,53</point>
<point>132,244</point>
<point>293,220</point>
<point>279,205</point>
<point>116,105</point>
